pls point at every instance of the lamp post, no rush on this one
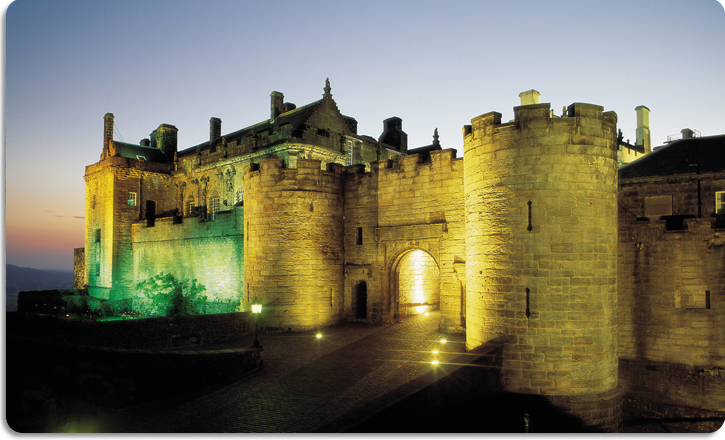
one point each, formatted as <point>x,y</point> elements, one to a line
<point>256,310</point>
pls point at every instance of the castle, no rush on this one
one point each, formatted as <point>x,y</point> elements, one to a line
<point>587,274</point>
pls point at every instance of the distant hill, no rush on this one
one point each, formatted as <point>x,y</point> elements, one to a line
<point>18,279</point>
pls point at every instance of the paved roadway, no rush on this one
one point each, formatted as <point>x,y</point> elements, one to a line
<point>313,385</point>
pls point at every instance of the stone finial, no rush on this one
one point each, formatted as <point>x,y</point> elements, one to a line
<point>435,138</point>
<point>327,87</point>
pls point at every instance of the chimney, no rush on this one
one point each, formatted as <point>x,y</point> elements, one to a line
<point>529,97</point>
<point>277,104</point>
<point>643,134</point>
<point>394,135</point>
<point>107,135</point>
<point>215,129</point>
<point>145,142</point>
<point>165,139</point>
<point>687,133</point>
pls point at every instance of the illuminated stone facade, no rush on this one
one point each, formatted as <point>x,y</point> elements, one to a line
<point>541,247</point>
<point>517,241</point>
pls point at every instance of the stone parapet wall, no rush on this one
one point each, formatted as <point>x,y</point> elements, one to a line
<point>211,252</point>
<point>541,246</point>
<point>294,255</point>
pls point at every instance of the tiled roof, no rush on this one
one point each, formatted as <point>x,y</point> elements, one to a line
<point>684,156</point>
<point>140,152</point>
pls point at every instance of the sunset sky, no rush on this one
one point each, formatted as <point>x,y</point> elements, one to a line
<point>434,64</point>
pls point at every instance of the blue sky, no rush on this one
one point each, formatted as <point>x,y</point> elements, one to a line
<point>433,64</point>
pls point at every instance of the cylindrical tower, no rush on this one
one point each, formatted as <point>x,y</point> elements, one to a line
<point>293,244</point>
<point>541,253</point>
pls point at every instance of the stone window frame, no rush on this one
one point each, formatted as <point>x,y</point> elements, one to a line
<point>350,152</point>
<point>719,202</point>
<point>132,199</point>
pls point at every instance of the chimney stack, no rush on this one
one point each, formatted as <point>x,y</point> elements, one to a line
<point>165,139</point>
<point>107,135</point>
<point>643,134</point>
<point>687,133</point>
<point>277,104</point>
<point>529,97</point>
<point>215,129</point>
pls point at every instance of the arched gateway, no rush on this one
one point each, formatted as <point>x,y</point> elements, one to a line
<point>413,282</point>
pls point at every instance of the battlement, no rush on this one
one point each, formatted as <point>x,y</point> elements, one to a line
<point>580,119</point>
<point>308,176</point>
<point>440,160</point>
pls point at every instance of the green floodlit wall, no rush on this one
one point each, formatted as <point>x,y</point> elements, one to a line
<point>211,252</point>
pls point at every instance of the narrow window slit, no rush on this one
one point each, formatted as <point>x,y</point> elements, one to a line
<point>529,228</point>
<point>528,311</point>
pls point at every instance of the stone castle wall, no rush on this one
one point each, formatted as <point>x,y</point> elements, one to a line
<point>541,247</point>
<point>211,252</point>
<point>398,209</point>
<point>671,294</point>
<point>294,255</point>
<point>109,264</point>
<point>80,280</point>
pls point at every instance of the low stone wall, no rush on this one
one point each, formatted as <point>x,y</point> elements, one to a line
<point>674,384</point>
<point>132,333</point>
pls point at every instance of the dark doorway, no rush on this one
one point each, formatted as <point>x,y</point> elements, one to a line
<point>150,213</point>
<point>362,301</point>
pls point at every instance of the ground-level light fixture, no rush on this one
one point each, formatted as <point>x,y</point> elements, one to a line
<point>318,336</point>
<point>256,310</point>
<point>443,341</point>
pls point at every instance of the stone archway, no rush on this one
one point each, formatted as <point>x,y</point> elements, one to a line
<point>414,283</point>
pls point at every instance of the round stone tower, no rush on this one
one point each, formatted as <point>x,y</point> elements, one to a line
<point>293,243</point>
<point>541,254</point>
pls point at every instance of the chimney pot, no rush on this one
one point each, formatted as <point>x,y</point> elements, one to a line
<point>529,97</point>
<point>687,133</point>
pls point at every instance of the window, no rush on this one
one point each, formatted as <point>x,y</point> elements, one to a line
<point>350,151</point>
<point>131,199</point>
<point>97,269</point>
<point>190,207</point>
<point>214,207</point>
<point>98,235</point>
<point>359,236</point>
<point>240,195</point>
<point>720,202</point>
<point>139,157</point>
